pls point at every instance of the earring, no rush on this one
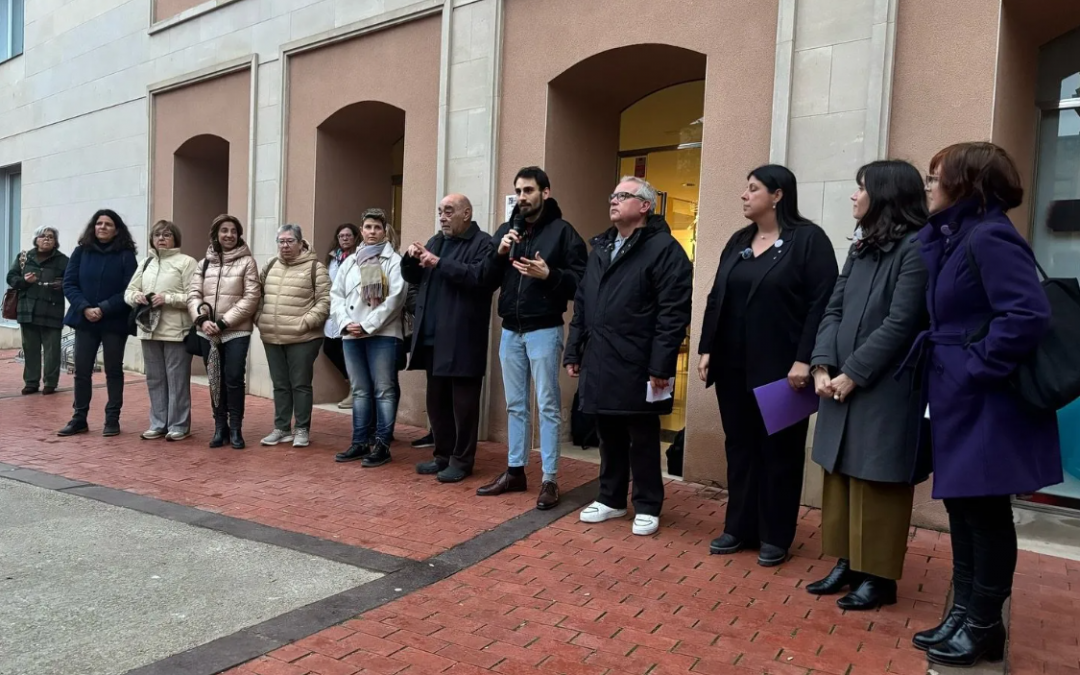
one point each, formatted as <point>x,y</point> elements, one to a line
<point>774,205</point>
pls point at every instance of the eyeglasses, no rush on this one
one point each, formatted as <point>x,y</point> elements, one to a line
<point>932,180</point>
<point>286,242</point>
<point>47,237</point>
<point>621,197</point>
<point>163,235</point>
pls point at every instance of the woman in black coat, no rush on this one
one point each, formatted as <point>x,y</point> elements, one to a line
<point>761,320</point>
<point>94,283</point>
<point>868,425</point>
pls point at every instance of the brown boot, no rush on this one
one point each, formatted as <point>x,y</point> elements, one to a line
<point>504,483</point>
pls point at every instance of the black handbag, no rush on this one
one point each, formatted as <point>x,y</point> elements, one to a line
<point>1049,378</point>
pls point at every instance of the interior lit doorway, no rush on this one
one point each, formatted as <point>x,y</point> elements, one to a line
<point>660,141</point>
<point>1056,216</point>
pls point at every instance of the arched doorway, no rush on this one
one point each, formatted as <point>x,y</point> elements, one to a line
<point>359,155</point>
<point>200,189</point>
<point>637,111</point>
<point>359,159</point>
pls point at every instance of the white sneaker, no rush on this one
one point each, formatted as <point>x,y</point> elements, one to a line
<point>177,435</point>
<point>277,436</point>
<point>598,513</point>
<point>151,434</point>
<point>646,525</point>
<point>346,403</point>
<point>301,440</point>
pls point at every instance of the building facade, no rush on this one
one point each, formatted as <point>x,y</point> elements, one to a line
<point>309,111</point>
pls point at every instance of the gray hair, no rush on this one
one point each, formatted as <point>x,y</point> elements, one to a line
<point>292,229</point>
<point>645,191</point>
<point>45,229</point>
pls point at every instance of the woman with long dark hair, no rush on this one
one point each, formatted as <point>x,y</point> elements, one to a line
<point>37,276</point>
<point>222,301</point>
<point>868,425</point>
<point>761,320</point>
<point>94,283</point>
<point>346,239</point>
<point>988,312</point>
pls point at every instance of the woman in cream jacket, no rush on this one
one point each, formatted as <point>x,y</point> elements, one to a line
<point>366,302</point>
<point>158,293</point>
<point>295,304</point>
<point>222,300</point>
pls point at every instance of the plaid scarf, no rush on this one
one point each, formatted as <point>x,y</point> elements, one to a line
<point>373,283</point>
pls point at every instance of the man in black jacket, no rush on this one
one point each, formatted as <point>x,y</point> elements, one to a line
<point>540,260</point>
<point>450,333</point>
<point>631,312</point>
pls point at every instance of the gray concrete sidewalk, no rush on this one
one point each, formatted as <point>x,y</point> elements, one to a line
<point>95,589</point>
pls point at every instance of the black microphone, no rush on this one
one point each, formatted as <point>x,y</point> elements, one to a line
<point>518,227</point>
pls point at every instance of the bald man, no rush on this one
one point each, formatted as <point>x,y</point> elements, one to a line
<point>450,339</point>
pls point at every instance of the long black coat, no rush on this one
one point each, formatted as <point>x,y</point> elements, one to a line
<point>462,300</point>
<point>876,309</point>
<point>630,317</point>
<point>783,310</point>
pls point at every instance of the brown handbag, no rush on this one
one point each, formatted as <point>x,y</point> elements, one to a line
<point>11,297</point>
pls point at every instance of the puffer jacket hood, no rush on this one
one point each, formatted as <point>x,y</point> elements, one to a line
<point>295,301</point>
<point>229,283</point>
<point>166,273</point>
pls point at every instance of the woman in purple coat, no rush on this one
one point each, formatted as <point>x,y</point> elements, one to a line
<point>988,312</point>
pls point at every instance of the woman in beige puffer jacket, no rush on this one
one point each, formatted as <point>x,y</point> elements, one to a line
<point>295,306</point>
<point>222,301</point>
<point>158,292</point>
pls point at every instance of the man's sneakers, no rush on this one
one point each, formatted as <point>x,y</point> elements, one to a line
<point>596,512</point>
<point>427,441</point>
<point>277,436</point>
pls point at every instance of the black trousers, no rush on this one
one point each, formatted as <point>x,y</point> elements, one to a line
<point>984,554</point>
<point>764,473</point>
<point>230,410</point>
<point>334,348</point>
<point>112,346</point>
<point>453,406</point>
<point>631,444</point>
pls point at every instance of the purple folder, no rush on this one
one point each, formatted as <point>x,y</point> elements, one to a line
<point>781,406</point>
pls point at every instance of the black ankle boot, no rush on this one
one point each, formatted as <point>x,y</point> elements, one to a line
<point>871,593</point>
<point>220,433</point>
<point>838,579</point>
<point>236,438</point>
<point>970,644</point>
<point>379,455</point>
<point>925,639</point>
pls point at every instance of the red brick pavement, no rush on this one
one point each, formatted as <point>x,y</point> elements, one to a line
<point>572,598</point>
<point>390,509</point>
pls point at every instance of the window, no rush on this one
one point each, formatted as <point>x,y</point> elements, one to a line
<point>11,28</point>
<point>10,212</point>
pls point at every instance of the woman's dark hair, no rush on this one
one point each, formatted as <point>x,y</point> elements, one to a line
<point>897,201</point>
<point>334,244</point>
<point>122,240</point>
<point>775,177</point>
<point>216,226</point>
<point>983,171</point>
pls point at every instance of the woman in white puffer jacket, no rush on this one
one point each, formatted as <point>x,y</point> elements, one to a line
<point>366,303</point>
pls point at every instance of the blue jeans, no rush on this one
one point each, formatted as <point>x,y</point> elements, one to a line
<point>372,365</point>
<point>536,355</point>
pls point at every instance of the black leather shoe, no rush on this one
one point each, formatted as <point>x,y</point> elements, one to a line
<point>726,544</point>
<point>236,439</point>
<point>871,593</point>
<point>26,391</point>
<point>969,645</point>
<point>380,454</point>
<point>506,482</point>
<point>549,495</point>
<point>73,427</point>
<point>111,428</point>
<point>430,468</point>
<point>218,440</point>
<point>925,639</point>
<point>837,580</point>
<point>452,474</point>
<point>771,556</point>
<point>48,391</point>
<point>356,451</point>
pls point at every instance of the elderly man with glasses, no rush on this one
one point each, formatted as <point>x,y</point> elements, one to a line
<point>631,312</point>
